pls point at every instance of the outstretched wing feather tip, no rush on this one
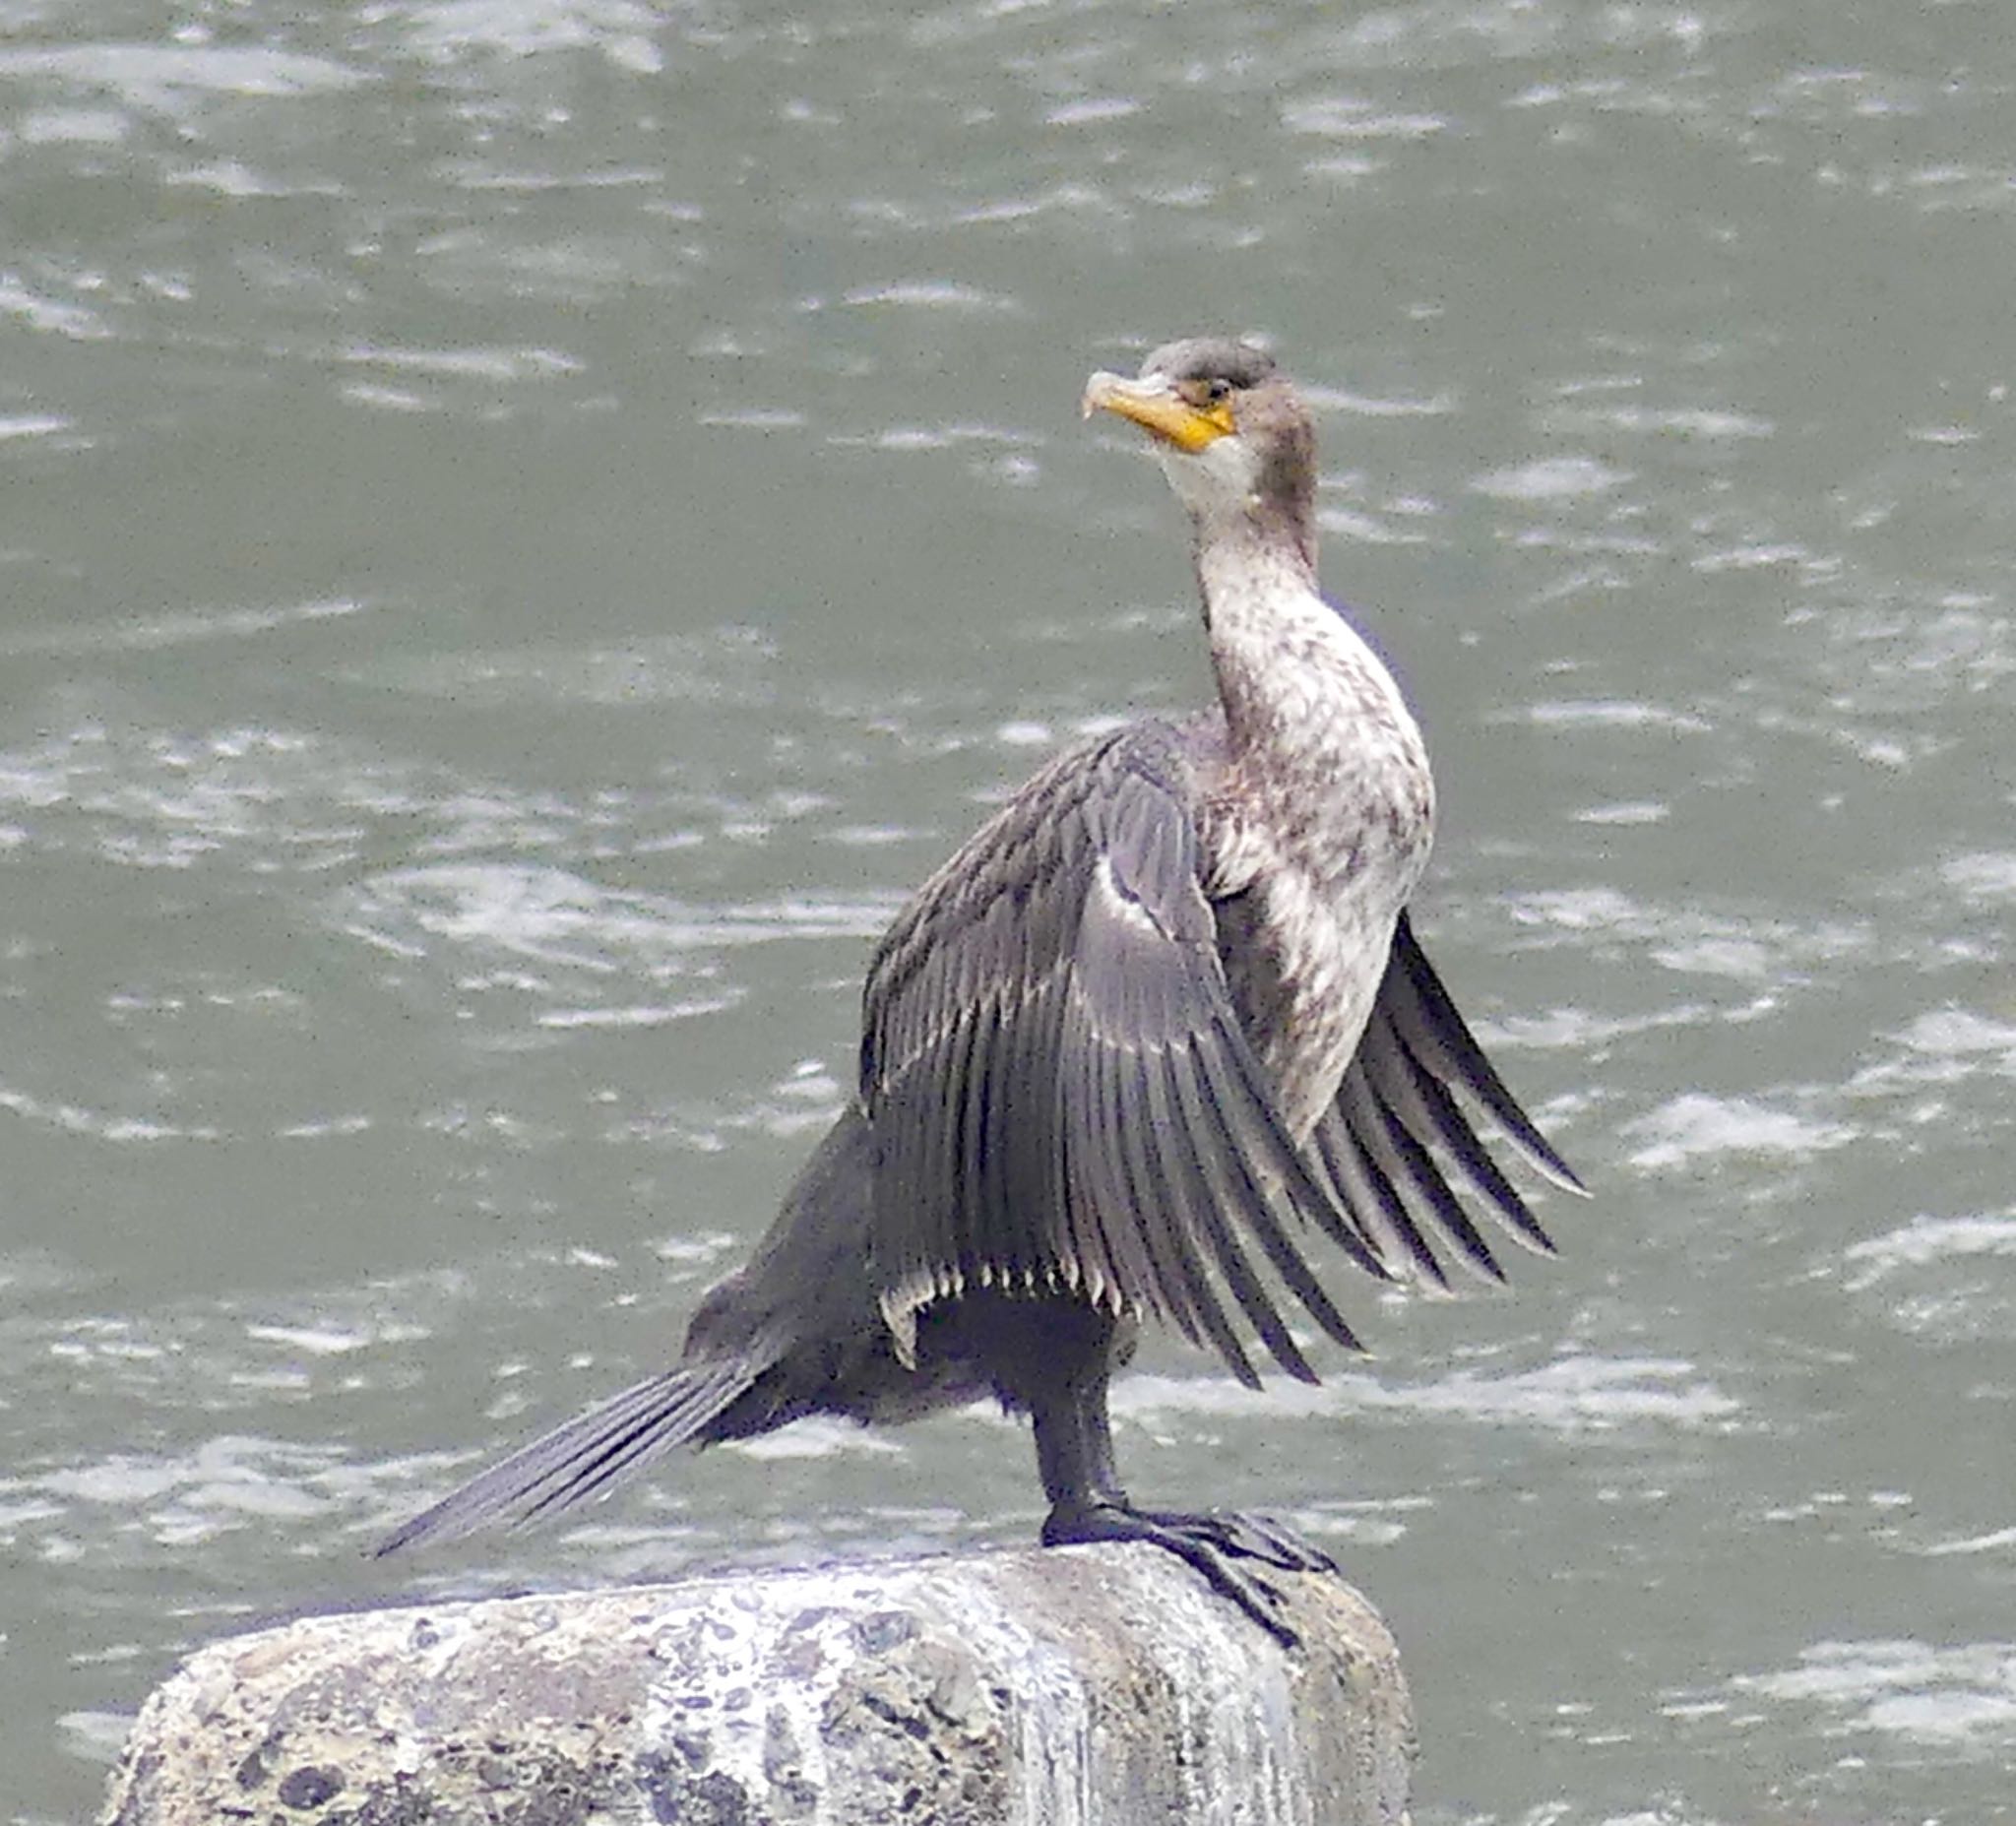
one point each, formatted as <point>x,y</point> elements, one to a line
<point>1429,1020</point>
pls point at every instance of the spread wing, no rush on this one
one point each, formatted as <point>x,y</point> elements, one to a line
<point>1062,1095</point>
<point>1059,1088</point>
<point>1396,1121</point>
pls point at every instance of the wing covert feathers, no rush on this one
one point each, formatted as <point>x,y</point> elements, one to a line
<point>1062,1095</point>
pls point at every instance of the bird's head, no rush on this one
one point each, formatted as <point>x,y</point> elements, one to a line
<point>1230,432</point>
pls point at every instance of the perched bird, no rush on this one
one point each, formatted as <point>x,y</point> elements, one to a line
<point>1159,1019</point>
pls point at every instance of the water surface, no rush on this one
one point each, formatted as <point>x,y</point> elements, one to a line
<point>528,527</point>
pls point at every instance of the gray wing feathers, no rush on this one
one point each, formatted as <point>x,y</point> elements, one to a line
<point>1060,1086</point>
<point>1062,1095</point>
<point>1427,1022</point>
<point>1396,1107</point>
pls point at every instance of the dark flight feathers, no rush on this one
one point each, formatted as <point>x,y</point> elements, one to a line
<point>1063,1097</point>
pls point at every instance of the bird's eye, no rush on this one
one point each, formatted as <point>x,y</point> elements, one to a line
<point>1217,389</point>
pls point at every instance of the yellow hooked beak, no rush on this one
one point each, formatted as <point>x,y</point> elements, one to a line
<point>1157,408</point>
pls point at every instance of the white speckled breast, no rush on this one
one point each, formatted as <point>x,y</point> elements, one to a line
<point>1321,824</point>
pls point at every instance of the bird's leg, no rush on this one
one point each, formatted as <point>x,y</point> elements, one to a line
<point>1074,1448</point>
<point>1074,1452</point>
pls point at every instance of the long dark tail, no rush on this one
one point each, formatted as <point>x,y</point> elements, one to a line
<point>584,1456</point>
<point>807,1282</point>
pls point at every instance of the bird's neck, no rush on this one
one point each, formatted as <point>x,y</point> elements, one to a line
<point>1320,739</point>
<point>1290,668</point>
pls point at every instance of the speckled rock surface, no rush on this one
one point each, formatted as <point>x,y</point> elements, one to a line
<point>1051,1688</point>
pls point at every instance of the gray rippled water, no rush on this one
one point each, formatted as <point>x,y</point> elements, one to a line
<point>531,525</point>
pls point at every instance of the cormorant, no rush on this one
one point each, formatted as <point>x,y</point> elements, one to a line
<point>1164,1012</point>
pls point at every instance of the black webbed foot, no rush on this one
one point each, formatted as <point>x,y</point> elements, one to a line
<point>1223,1548</point>
<point>1249,1537</point>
